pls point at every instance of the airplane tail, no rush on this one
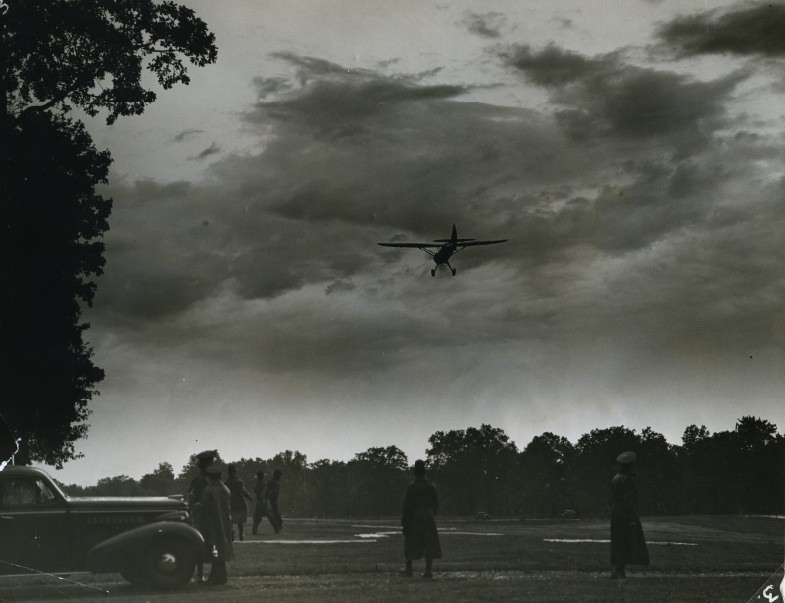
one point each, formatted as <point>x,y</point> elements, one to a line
<point>453,238</point>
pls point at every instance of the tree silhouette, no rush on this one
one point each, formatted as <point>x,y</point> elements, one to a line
<point>378,479</point>
<point>160,482</point>
<point>472,468</point>
<point>57,55</point>
<point>543,467</point>
<point>727,472</point>
<point>595,465</point>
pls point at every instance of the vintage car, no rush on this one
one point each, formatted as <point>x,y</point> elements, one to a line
<point>148,540</point>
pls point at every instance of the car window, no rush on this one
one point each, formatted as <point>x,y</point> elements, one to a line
<point>44,494</point>
<point>16,493</point>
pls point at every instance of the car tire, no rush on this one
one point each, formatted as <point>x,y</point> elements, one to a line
<point>134,576</point>
<point>168,563</point>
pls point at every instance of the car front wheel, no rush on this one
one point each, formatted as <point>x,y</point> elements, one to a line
<point>166,564</point>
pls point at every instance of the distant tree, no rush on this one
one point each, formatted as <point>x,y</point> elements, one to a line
<point>595,464</point>
<point>57,55</point>
<point>659,475</point>
<point>695,473</point>
<point>378,477</point>
<point>160,482</point>
<point>120,485</point>
<point>761,459</point>
<point>472,468</point>
<point>329,490</point>
<point>543,468</point>
<point>294,487</point>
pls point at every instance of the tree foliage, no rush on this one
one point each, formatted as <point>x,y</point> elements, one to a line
<point>475,465</point>
<point>92,53</point>
<point>480,469</point>
<point>54,56</point>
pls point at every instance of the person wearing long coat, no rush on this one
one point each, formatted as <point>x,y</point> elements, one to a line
<point>421,538</point>
<point>195,491</point>
<point>260,507</point>
<point>628,544</point>
<point>238,509</point>
<point>272,493</point>
<point>217,525</point>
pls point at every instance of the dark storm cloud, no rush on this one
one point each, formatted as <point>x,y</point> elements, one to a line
<point>552,66</point>
<point>751,31</point>
<point>211,150</point>
<point>159,263</point>
<point>185,134</point>
<point>333,101</point>
<point>275,257</point>
<point>602,96</point>
<point>486,25</point>
<point>266,86</point>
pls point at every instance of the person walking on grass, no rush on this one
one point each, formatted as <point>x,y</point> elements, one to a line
<point>273,490</point>
<point>421,538</point>
<point>260,507</point>
<point>238,508</point>
<point>628,544</point>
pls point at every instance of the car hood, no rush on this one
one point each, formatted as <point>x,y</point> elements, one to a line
<point>126,502</point>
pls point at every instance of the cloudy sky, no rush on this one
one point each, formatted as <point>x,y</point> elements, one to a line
<point>631,152</point>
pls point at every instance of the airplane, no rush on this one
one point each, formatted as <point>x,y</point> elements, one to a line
<point>443,249</point>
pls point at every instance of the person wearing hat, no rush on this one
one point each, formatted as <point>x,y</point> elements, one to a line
<point>198,484</point>
<point>239,510</point>
<point>260,508</point>
<point>217,524</point>
<point>628,544</point>
<point>418,519</point>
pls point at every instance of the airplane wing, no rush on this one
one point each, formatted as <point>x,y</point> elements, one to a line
<point>412,245</point>
<point>470,243</point>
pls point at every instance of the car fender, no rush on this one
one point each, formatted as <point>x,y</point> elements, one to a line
<point>123,551</point>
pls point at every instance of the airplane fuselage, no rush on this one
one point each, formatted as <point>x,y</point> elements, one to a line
<point>444,253</point>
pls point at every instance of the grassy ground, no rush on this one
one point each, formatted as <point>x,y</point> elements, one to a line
<point>729,559</point>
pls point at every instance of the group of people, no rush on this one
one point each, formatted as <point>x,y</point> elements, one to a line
<point>217,506</point>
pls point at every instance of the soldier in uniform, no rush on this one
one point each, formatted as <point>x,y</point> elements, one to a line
<point>194,497</point>
<point>419,522</point>
<point>260,508</point>
<point>217,525</point>
<point>628,544</point>
<point>238,508</point>
<point>273,490</point>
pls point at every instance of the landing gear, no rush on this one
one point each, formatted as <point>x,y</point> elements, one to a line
<point>433,270</point>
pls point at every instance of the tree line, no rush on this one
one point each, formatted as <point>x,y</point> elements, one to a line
<point>481,469</point>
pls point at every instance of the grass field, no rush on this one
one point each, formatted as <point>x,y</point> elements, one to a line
<point>692,559</point>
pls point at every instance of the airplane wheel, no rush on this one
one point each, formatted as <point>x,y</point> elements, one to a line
<point>433,272</point>
<point>453,271</point>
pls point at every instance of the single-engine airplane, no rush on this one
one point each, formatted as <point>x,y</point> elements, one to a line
<point>441,250</point>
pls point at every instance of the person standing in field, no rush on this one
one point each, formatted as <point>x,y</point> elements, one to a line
<point>273,490</point>
<point>238,508</point>
<point>194,497</point>
<point>217,523</point>
<point>418,519</point>
<point>260,507</point>
<point>628,544</point>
